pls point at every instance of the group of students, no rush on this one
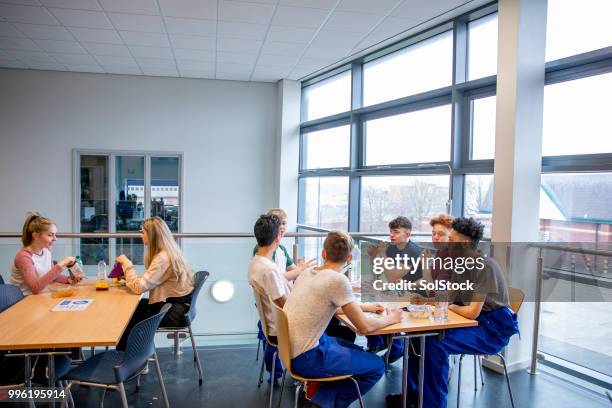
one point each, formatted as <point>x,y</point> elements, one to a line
<point>312,295</point>
<point>167,278</point>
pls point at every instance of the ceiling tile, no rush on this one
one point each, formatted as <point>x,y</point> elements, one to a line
<point>23,2</point>
<point>121,69</point>
<point>277,60</point>
<point>29,56</point>
<point>82,18</point>
<point>231,29</point>
<point>194,55</point>
<point>151,52</point>
<point>422,11</point>
<point>44,32</point>
<point>283,48</point>
<point>168,72</point>
<point>146,39</point>
<point>190,26</point>
<point>85,68</point>
<point>74,58</point>
<point>192,73</point>
<point>105,60</point>
<point>322,4</point>
<point>131,6</point>
<point>67,47</point>
<point>18,44</point>
<point>355,22</point>
<point>262,71</point>
<point>189,65</point>
<point>299,73</point>
<point>236,58</point>
<point>12,64</point>
<point>96,35</point>
<point>245,12</point>
<point>26,14</point>
<point>390,27</point>
<point>314,63</point>
<point>72,4</point>
<point>107,49</point>
<point>206,9</point>
<point>291,34</point>
<point>135,22</point>
<point>47,66</point>
<point>7,30</point>
<point>379,7</point>
<point>156,63</point>
<point>193,42</point>
<point>332,44</point>
<point>235,68</point>
<point>299,17</point>
<point>232,76</point>
<point>238,45</point>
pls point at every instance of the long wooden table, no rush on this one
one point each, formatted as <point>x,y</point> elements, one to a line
<point>30,323</point>
<point>410,328</point>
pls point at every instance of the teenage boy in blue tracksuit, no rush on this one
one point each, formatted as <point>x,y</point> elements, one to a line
<point>487,302</point>
<point>315,298</point>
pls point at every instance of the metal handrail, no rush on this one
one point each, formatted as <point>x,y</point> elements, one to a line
<point>193,234</point>
<point>577,250</point>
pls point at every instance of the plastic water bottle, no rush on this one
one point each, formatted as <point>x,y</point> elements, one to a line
<point>102,270</point>
<point>356,264</point>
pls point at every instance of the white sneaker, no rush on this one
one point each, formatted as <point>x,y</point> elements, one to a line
<point>146,369</point>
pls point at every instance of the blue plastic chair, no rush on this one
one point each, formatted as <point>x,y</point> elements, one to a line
<point>9,295</point>
<point>111,369</point>
<point>199,279</point>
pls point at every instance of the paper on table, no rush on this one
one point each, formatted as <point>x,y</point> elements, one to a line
<point>72,305</point>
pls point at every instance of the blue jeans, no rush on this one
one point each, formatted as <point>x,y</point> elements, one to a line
<point>278,367</point>
<point>333,357</point>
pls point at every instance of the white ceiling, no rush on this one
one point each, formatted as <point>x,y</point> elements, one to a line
<point>258,40</point>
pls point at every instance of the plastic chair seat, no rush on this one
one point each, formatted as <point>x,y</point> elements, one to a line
<point>97,369</point>
<point>324,379</point>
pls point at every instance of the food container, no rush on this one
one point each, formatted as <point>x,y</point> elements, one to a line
<point>59,290</point>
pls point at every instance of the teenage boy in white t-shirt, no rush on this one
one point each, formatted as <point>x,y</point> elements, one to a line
<point>267,280</point>
<point>315,298</point>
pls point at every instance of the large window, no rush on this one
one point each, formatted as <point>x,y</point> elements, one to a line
<point>327,97</point>
<point>483,128</point>
<point>144,185</point>
<point>326,202</point>
<point>327,148</point>
<point>421,67</point>
<point>482,47</point>
<point>478,199</point>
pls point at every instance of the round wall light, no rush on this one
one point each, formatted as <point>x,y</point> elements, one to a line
<point>222,291</point>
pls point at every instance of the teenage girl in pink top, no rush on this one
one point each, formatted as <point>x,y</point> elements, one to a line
<point>33,267</point>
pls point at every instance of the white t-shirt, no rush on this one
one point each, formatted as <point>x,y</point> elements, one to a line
<point>42,264</point>
<point>314,299</point>
<point>265,278</point>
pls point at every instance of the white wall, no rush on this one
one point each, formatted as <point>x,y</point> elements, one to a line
<point>226,130</point>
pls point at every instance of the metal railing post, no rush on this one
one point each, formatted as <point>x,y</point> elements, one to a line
<point>533,369</point>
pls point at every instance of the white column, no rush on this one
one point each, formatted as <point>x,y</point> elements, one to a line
<point>518,147</point>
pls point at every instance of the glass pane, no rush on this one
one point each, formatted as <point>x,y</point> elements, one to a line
<point>165,190</point>
<point>326,203</point>
<point>421,67</point>
<point>483,128</point>
<point>400,139</point>
<point>482,47</point>
<point>328,97</point>
<point>577,117</point>
<point>576,27</point>
<point>129,204</point>
<point>570,212</point>
<point>478,199</point>
<point>328,148</point>
<point>94,207</point>
<point>417,197</point>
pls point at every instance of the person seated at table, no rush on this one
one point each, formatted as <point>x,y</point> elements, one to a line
<point>436,271</point>
<point>33,267</point>
<point>400,230</point>
<point>168,278</point>
<point>315,298</point>
<point>488,303</point>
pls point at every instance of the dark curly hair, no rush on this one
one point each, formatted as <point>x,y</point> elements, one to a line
<point>400,222</point>
<point>266,229</point>
<point>469,227</point>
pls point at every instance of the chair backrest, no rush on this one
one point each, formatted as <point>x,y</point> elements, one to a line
<point>198,281</point>
<point>262,315</point>
<point>282,335</point>
<point>516,299</point>
<point>140,345</point>
<point>9,295</point>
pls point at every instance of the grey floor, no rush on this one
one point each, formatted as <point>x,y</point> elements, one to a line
<point>230,380</point>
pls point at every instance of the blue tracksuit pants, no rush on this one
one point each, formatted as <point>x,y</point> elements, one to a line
<point>489,337</point>
<point>278,367</point>
<point>333,357</point>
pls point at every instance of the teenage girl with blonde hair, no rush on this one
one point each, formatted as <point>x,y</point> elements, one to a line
<point>168,278</point>
<point>33,268</point>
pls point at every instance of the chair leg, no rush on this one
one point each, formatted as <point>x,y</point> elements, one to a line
<point>459,381</point>
<point>161,381</point>
<point>480,365</point>
<point>93,351</point>
<point>475,374</point>
<point>103,395</point>
<point>263,361</point>
<point>138,382</point>
<point>280,399</point>
<point>121,388</point>
<point>297,395</point>
<point>67,395</point>
<point>258,347</point>
<point>196,356</point>
<point>177,344</point>
<point>358,391</point>
<point>503,360</point>
<point>272,379</point>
